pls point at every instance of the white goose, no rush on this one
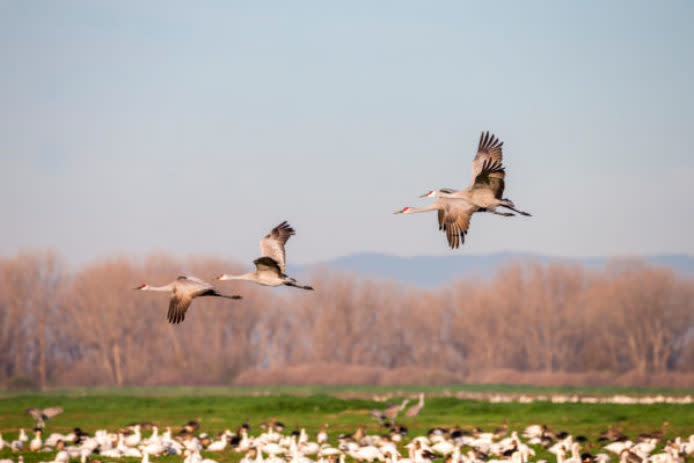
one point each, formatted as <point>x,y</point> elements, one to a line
<point>221,444</point>
<point>36,443</point>
<point>133,439</point>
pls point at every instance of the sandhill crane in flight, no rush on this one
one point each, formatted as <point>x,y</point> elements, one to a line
<point>453,215</point>
<point>183,291</point>
<point>41,415</point>
<point>487,186</point>
<point>270,268</point>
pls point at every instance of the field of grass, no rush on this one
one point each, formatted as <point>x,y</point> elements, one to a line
<point>222,408</point>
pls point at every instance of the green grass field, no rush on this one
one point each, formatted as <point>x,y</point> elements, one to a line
<point>222,408</point>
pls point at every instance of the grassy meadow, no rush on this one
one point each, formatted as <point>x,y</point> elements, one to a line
<point>343,408</point>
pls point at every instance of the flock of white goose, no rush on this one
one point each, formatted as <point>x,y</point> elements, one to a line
<point>274,445</point>
<point>619,399</point>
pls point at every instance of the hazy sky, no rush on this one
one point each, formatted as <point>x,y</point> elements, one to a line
<point>133,127</point>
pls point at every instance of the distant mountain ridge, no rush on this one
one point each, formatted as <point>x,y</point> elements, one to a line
<point>432,271</point>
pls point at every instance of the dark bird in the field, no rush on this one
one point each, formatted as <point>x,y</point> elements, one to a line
<point>511,450</point>
<point>191,426</point>
<point>613,434</point>
<point>659,434</point>
<point>42,415</point>
<point>587,457</point>
<point>356,436</point>
<point>270,267</point>
<point>627,456</point>
<point>502,430</point>
<point>183,291</point>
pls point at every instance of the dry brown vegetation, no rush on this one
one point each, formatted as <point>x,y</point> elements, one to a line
<point>628,324</point>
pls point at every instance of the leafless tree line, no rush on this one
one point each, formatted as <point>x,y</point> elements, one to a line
<point>88,327</point>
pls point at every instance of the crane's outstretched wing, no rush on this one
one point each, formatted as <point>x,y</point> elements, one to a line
<point>178,305</point>
<point>50,412</point>
<point>267,264</point>
<point>36,413</point>
<point>455,221</point>
<point>490,177</point>
<point>489,157</point>
<point>272,245</point>
<point>193,283</point>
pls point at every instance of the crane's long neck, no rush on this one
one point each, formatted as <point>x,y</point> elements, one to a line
<point>245,276</point>
<point>431,207</point>
<point>456,195</point>
<point>161,289</point>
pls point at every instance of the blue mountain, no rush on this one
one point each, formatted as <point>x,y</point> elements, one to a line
<point>432,271</point>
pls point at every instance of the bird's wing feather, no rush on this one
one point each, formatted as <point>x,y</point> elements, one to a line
<point>491,176</point>
<point>272,244</point>
<point>267,264</point>
<point>52,411</point>
<point>191,284</point>
<point>456,221</point>
<point>35,413</point>
<point>178,305</point>
<point>489,154</point>
<point>496,183</point>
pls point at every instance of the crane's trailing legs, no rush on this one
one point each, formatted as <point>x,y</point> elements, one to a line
<point>294,285</point>
<point>508,204</point>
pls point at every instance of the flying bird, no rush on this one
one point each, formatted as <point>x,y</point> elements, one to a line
<point>455,208</point>
<point>42,415</point>
<point>453,216</point>
<point>183,291</point>
<point>488,178</point>
<point>270,267</point>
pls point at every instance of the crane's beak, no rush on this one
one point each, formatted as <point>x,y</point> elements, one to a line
<point>424,195</point>
<point>398,212</point>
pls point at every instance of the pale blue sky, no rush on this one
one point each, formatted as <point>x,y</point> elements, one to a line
<point>132,127</point>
